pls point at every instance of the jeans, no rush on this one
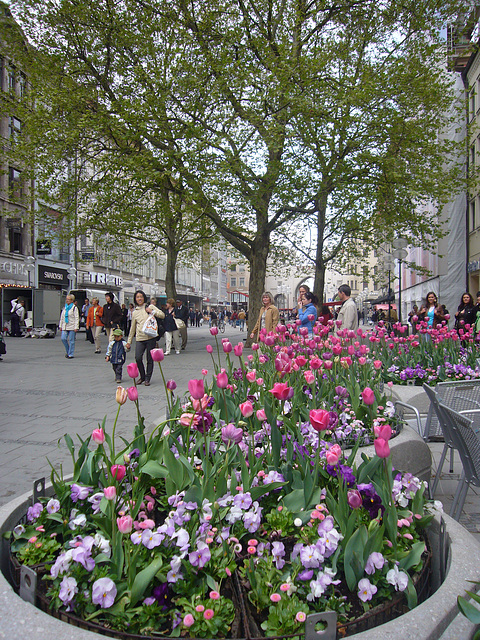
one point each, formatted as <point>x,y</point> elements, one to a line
<point>140,347</point>
<point>68,339</point>
<point>117,370</point>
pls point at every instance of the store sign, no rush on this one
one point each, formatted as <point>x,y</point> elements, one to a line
<point>13,272</point>
<point>53,275</point>
<point>473,266</point>
<point>95,277</point>
<point>44,247</point>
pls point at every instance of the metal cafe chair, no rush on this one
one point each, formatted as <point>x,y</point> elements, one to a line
<point>465,436</point>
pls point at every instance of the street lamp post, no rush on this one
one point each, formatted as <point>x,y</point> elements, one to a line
<point>30,267</point>
<point>389,264</point>
<point>400,253</point>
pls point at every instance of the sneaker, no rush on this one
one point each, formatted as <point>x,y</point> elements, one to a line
<point>167,353</point>
<point>70,357</point>
<point>177,352</point>
<point>118,380</point>
<point>147,383</point>
<point>140,381</point>
<point>98,351</point>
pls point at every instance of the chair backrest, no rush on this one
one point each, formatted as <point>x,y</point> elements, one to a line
<point>459,395</point>
<point>467,441</point>
<point>441,429</point>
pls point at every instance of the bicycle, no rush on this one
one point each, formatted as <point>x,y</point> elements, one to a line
<point>221,326</point>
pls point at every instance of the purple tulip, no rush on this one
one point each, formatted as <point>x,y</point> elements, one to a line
<point>171,385</point>
<point>230,433</point>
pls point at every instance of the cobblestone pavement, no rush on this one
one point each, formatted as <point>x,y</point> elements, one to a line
<point>43,396</point>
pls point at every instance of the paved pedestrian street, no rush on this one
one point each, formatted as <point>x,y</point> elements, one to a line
<point>44,395</point>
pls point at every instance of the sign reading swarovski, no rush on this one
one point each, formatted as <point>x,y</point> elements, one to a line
<point>52,275</point>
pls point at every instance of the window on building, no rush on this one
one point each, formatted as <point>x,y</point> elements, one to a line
<point>11,78</point>
<point>15,237</point>
<point>15,182</point>
<point>22,84</point>
<point>15,126</point>
<point>472,104</point>
<point>233,282</point>
<point>356,285</point>
<point>2,73</point>
<point>365,284</point>
<point>242,282</point>
<point>473,221</point>
<point>472,155</point>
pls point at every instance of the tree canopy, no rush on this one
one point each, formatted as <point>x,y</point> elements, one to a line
<point>256,113</point>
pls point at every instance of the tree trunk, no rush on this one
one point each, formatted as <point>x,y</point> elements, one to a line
<point>170,286</point>
<point>258,271</point>
<point>319,284</point>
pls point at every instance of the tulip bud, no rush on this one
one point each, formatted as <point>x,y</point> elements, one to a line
<point>110,493</point>
<point>121,395</point>
<point>368,396</point>
<point>196,388</point>
<point>246,408</point>
<point>118,471</point>
<point>227,347</point>
<point>157,355</point>
<point>214,331</point>
<point>354,498</point>
<point>98,436</point>
<point>381,448</point>
<point>125,524</point>
<point>132,394</point>
<point>261,415</point>
<point>222,379</point>
<point>132,370</point>
<point>209,348</point>
<point>171,385</point>
<point>238,349</point>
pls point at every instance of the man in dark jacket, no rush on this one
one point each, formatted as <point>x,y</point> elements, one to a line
<point>181,313</point>
<point>112,315</point>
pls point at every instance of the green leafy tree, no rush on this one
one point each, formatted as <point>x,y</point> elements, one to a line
<point>264,112</point>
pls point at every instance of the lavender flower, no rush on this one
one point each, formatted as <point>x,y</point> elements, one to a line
<point>53,505</point>
<point>151,539</point>
<point>398,579</point>
<point>242,501</point>
<point>200,556</point>
<point>366,590</point>
<point>78,492</point>
<point>375,561</point>
<point>34,511</point>
<point>68,589</point>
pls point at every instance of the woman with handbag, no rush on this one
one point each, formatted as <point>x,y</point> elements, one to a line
<point>144,329</point>
<point>172,332</point>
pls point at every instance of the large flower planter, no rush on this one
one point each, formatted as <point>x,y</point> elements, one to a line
<point>456,561</point>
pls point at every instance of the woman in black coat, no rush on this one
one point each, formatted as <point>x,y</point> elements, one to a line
<point>466,312</point>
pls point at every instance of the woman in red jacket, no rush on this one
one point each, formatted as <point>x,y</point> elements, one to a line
<point>94,322</point>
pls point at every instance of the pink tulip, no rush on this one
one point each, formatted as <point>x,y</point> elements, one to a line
<point>118,471</point>
<point>251,375</point>
<point>246,408</point>
<point>204,372</point>
<point>157,355</point>
<point>238,349</point>
<point>354,498</point>
<point>132,370</point>
<point>368,396</point>
<point>222,379</point>
<point>377,364</point>
<point>334,454</point>
<point>282,391</point>
<point>227,347</point>
<point>209,348</point>
<point>261,415</point>
<point>200,405</point>
<point>132,394</point>
<point>381,448</point>
<point>171,385</point>
<point>309,376</point>
<point>269,341</point>
<point>110,493</point>
<point>320,419</point>
<point>383,431</point>
<point>196,388</point>
<point>328,364</point>
<point>121,395</point>
<point>125,524</point>
<point>259,381</point>
<point>362,361</point>
<point>255,346</point>
<point>187,419</point>
<point>214,331</point>
<point>98,436</point>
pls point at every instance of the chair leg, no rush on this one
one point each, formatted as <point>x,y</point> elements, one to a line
<point>439,470</point>
<point>461,500</point>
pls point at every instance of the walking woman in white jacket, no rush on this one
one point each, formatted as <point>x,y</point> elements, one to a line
<point>69,323</point>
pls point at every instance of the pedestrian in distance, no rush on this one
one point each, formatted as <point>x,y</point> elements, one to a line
<point>466,313</point>
<point>112,314</point>
<point>347,316</point>
<point>94,322</point>
<point>181,314</point>
<point>268,317</point>
<point>172,333</point>
<point>307,311</point>
<point>143,341</point>
<point>431,311</point>
<point>116,353</point>
<point>69,324</point>
<point>17,316</point>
